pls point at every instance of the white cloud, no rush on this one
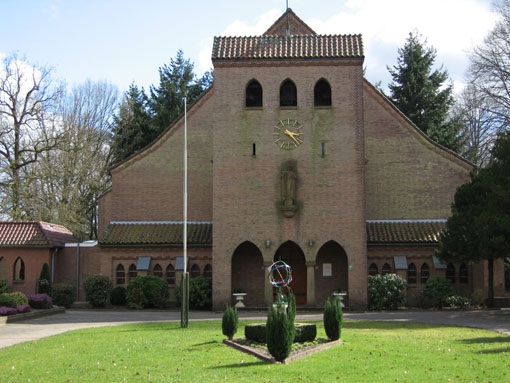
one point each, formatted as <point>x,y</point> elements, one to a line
<point>236,28</point>
<point>452,27</point>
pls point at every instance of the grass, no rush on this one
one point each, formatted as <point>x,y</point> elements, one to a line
<point>163,352</point>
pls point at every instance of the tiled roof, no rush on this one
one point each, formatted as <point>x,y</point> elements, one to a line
<point>404,231</point>
<point>291,47</point>
<point>34,234</point>
<point>200,233</point>
<point>156,234</point>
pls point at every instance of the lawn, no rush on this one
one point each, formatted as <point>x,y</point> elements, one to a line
<point>163,352</point>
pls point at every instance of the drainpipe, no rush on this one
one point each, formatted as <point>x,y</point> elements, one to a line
<point>77,271</point>
<point>52,276</point>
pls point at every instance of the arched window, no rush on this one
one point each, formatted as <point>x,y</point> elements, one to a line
<point>195,271</point>
<point>288,94</point>
<point>411,274</point>
<point>322,93</point>
<point>253,94</point>
<point>208,272</point>
<point>19,270</point>
<point>132,273</point>
<point>386,269</point>
<point>157,271</point>
<point>170,275</point>
<point>120,275</point>
<point>424,273</point>
<point>373,270</point>
<point>463,273</point>
<point>450,273</point>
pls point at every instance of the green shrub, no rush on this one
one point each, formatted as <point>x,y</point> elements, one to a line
<point>437,289</point>
<point>385,291</point>
<point>256,332</point>
<point>4,288</point>
<point>97,290</point>
<point>118,296</point>
<point>305,332</point>
<point>278,332</point>
<point>333,318</point>
<point>147,291</point>
<point>478,297</point>
<point>200,293</point>
<point>44,281</point>
<point>229,322</point>
<point>457,301</point>
<point>18,298</point>
<point>6,300</point>
<point>63,294</point>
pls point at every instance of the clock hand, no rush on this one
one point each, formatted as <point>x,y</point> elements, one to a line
<point>291,135</point>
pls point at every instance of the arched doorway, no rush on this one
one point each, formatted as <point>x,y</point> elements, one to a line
<point>248,274</point>
<point>331,272</point>
<point>291,253</point>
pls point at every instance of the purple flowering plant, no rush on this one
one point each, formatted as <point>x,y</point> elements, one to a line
<point>7,311</point>
<point>40,301</point>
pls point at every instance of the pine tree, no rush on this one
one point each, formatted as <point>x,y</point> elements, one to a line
<point>422,94</point>
<point>132,127</point>
<point>175,81</point>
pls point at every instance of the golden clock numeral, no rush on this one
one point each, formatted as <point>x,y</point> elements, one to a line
<point>281,146</point>
<point>299,127</point>
<point>295,123</point>
<point>282,124</point>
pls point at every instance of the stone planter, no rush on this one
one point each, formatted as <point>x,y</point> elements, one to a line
<point>239,300</point>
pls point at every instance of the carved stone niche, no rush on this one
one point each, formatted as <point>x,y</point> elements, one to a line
<point>288,181</point>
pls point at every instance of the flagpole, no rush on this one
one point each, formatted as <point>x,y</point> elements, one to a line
<point>185,278</point>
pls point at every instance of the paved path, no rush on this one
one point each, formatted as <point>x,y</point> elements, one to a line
<point>33,329</point>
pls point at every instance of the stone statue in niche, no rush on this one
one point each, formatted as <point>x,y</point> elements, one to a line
<point>288,182</point>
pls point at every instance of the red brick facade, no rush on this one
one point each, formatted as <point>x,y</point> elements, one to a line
<point>360,159</point>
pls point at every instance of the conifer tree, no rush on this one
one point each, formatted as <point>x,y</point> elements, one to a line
<point>132,127</point>
<point>175,81</point>
<point>423,94</point>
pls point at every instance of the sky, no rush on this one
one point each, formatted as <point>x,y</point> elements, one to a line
<point>125,41</point>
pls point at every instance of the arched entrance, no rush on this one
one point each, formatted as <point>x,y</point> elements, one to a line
<point>331,272</point>
<point>291,253</point>
<point>248,274</point>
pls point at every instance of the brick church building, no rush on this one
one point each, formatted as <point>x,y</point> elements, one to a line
<point>292,155</point>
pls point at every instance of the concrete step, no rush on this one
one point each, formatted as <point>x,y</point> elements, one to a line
<point>501,302</point>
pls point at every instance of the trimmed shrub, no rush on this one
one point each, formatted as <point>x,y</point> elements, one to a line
<point>200,293</point>
<point>23,308</point>
<point>385,291</point>
<point>333,318</point>
<point>278,333</point>
<point>229,322</point>
<point>63,294</point>
<point>44,282</point>
<point>256,332</point>
<point>18,298</point>
<point>4,311</point>
<point>6,300</point>
<point>305,332</point>
<point>147,291</point>
<point>457,301</point>
<point>97,290</point>
<point>437,289</point>
<point>4,288</point>
<point>478,297</point>
<point>118,296</point>
<point>40,301</point>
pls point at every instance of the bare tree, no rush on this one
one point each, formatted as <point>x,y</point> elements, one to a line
<point>474,112</point>
<point>28,97</point>
<point>490,65</point>
<point>67,182</point>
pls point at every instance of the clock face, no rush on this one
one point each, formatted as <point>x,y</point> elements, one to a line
<point>287,134</point>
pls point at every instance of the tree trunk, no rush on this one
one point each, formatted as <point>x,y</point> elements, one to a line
<point>490,302</point>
